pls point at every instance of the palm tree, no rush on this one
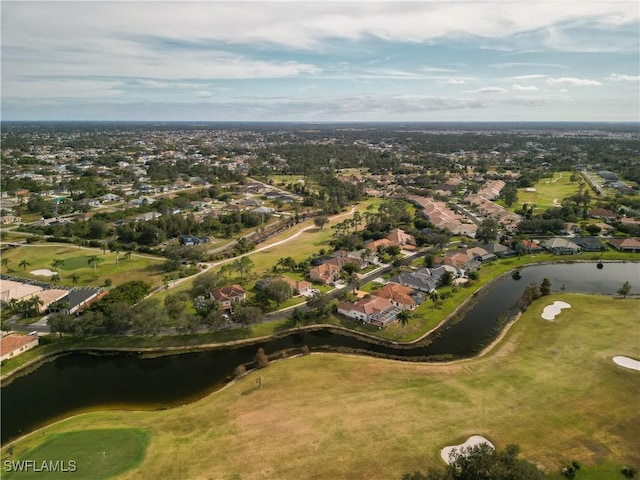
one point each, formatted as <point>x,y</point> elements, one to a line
<point>127,254</point>
<point>24,264</point>
<point>5,262</point>
<point>57,263</point>
<point>55,279</point>
<point>93,260</point>
<point>74,278</point>
<point>434,297</point>
<point>403,318</point>
<point>115,248</point>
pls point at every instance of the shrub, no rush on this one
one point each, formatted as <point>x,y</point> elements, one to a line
<point>261,360</point>
<point>240,371</point>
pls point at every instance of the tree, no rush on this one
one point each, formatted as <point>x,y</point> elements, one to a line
<point>531,293</point>
<point>545,287</point>
<point>429,261</point>
<point>320,222</point>
<point>61,323</point>
<point>435,298</point>
<point>93,260</point>
<point>55,279</point>
<point>279,291</point>
<point>23,263</point>
<point>57,263</point>
<point>357,220</point>
<point>625,289</point>
<point>488,230</point>
<point>447,278</point>
<point>127,254</point>
<point>261,359</point>
<point>482,462</point>
<point>115,247</point>
<point>247,316</point>
<point>403,318</point>
<point>75,278</point>
<point>5,262</point>
<point>148,318</point>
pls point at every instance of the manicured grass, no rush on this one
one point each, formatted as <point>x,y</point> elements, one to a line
<point>95,454</point>
<point>40,256</point>
<point>550,387</point>
<point>547,190</point>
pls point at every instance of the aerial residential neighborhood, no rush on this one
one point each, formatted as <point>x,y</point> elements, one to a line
<point>320,240</point>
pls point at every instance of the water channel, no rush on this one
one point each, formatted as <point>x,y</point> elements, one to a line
<point>83,381</point>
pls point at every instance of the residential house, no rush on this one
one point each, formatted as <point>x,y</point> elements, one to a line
<point>382,243</point>
<point>363,254</point>
<point>228,296</point>
<point>375,310</point>
<point>190,240</point>
<point>14,344</point>
<point>326,273</point>
<point>602,213</point>
<point>399,237</point>
<point>251,202</point>
<point>625,244</point>
<point>530,246</point>
<point>499,250</point>
<point>480,254</point>
<point>589,244</point>
<point>398,295</point>
<point>561,246</point>
<point>423,279</point>
<point>299,287</point>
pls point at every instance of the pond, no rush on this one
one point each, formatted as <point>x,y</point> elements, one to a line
<point>83,381</point>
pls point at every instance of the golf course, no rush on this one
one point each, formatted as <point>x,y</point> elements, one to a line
<point>549,386</point>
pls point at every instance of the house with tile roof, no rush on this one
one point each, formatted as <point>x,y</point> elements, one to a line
<point>299,287</point>
<point>561,246</point>
<point>399,237</point>
<point>326,273</point>
<point>375,310</point>
<point>398,295</point>
<point>625,244</point>
<point>228,296</point>
<point>13,344</point>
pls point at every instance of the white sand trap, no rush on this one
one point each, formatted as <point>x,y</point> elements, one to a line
<point>530,189</point>
<point>471,442</point>
<point>44,272</point>
<point>550,311</point>
<point>627,362</point>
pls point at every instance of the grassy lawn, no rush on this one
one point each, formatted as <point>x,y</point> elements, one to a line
<point>550,387</point>
<point>547,190</point>
<point>96,454</point>
<point>75,261</point>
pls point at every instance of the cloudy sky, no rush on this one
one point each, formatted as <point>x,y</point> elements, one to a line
<point>443,60</point>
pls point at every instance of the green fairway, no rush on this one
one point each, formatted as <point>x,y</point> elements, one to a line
<point>549,192</point>
<point>76,261</point>
<point>89,454</point>
<point>550,387</point>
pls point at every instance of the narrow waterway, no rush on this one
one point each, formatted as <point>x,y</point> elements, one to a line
<point>82,381</point>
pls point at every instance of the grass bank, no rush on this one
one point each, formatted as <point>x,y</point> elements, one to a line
<point>551,387</point>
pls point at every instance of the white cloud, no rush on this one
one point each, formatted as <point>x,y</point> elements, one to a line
<point>524,88</point>
<point>488,90</point>
<point>623,78</point>
<point>438,69</point>
<point>527,77</point>
<point>455,81</point>
<point>61,89</point>
<point>582,82</point>
<point>204,94</point>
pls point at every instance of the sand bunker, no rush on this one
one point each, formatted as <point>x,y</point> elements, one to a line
<point>44,272</point>
<point>471,442</point>
<point>550,311</point>
<point>627,362</point>
<point>530,189</point>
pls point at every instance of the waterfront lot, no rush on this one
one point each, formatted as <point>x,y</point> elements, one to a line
<point>550,387</point>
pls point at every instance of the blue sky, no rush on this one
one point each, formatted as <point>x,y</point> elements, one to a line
<point>571,60</point>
